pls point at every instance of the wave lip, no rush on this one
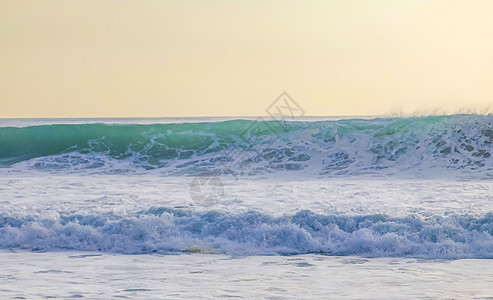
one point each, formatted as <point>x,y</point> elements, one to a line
<point>169,230</point>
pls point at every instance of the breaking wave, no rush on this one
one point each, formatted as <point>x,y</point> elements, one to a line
<point>164,230</point>
<point>459,143</point>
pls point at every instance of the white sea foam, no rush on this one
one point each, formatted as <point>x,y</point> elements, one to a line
<point>147,214</point>
<point>163,230</point>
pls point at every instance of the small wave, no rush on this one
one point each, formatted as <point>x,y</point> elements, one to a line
<point>252,233</point>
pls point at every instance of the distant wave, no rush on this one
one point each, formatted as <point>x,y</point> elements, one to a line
<point>462,143</point>
<point>169,230</point>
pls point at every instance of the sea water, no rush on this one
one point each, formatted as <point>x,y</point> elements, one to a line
<point>187,208</point>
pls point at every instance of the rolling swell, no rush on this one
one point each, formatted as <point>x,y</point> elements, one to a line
<point>462,143</point>
<point>251,233</point>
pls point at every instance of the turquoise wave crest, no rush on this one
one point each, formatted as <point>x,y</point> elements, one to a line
<point>461,143</point>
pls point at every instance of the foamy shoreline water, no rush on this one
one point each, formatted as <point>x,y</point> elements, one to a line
<point>147,214</point>
<point>94,275</point>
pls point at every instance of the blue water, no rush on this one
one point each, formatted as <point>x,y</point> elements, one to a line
<point>445,147</point>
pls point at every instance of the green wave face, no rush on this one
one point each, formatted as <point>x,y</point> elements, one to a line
<point>159,141</point>
<point>344,147</point>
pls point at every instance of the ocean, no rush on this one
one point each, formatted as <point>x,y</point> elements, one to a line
<point>179,208</point>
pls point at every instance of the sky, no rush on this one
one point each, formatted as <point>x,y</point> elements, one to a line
<point>157,58</point>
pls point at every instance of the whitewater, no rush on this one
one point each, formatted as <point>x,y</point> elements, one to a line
<point>318,207</point>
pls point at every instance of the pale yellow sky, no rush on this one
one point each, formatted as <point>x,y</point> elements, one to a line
<point>151,58</point>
